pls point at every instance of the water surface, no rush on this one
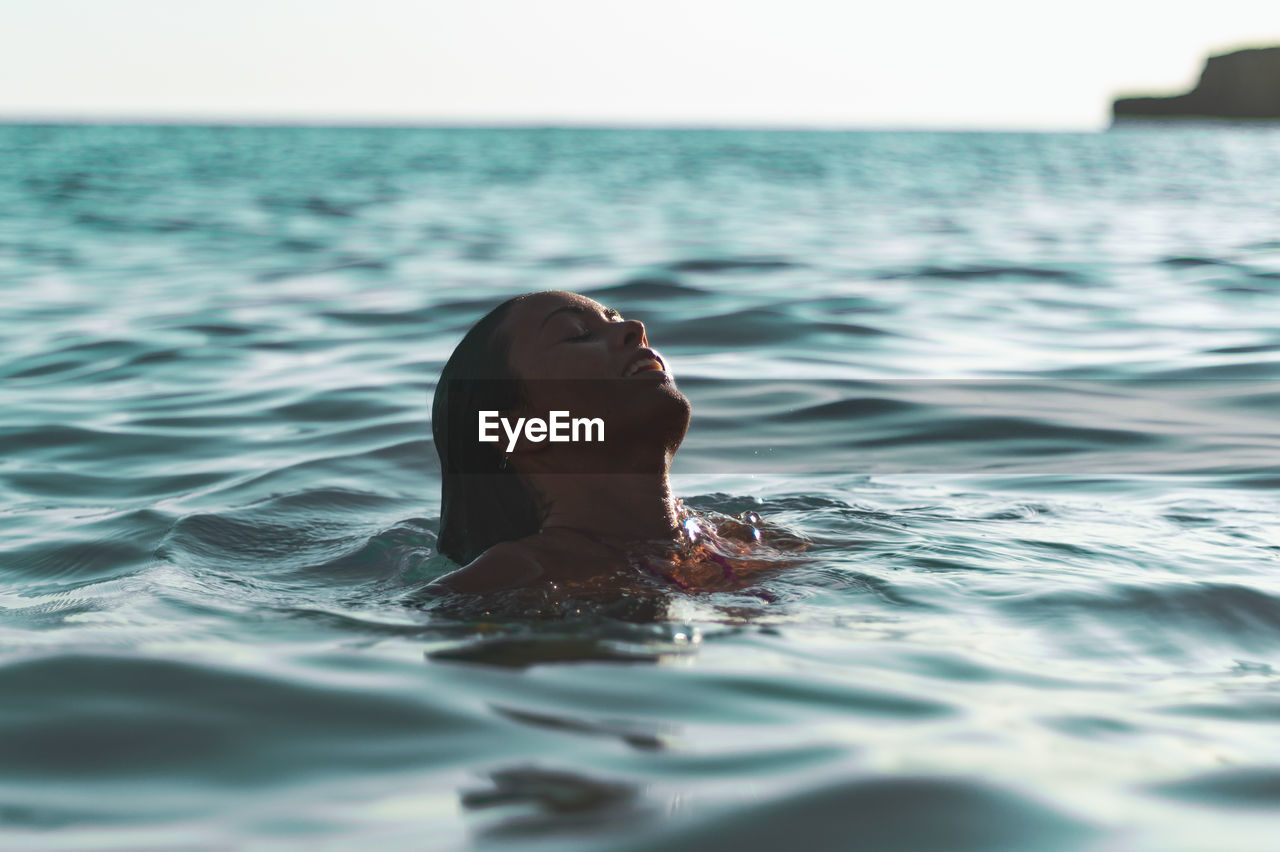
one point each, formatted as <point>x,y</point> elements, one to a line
<point>1019,390</point>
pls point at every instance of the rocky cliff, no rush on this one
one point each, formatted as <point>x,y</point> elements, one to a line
<point>1242,85</point>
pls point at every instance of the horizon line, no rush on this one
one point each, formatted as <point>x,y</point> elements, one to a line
<point>338,122</point>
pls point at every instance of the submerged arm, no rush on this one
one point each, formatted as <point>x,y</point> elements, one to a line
<point>504,566</point>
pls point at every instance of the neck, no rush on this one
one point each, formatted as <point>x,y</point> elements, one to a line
<point>623,507</point>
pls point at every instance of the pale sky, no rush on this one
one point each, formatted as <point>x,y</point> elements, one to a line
<point>820,63</point>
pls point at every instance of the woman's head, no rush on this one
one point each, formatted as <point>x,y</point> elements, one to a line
<point>531,355</point>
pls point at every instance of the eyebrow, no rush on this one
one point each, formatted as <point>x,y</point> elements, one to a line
<point>609,313</point>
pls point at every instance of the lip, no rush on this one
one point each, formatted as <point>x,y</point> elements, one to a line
<point>644,355</point>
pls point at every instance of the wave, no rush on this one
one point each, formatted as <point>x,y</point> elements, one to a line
<point>1230,788</point>
<point>731,264</point>
<point>994,272</point>
<point>648,289</point>
<point>1166,620</point>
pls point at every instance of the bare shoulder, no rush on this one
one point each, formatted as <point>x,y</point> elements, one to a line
<point>506,565</point>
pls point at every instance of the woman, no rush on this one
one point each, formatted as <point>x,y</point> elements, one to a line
<point>519,509</point>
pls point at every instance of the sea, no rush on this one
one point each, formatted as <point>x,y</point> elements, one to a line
<point>1018,392</point>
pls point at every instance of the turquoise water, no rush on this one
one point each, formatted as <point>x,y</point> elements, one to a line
<point>1021,391</point>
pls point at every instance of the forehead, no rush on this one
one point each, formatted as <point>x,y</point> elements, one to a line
<point>527,315</point>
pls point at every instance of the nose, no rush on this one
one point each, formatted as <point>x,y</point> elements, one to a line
<point>631,333</point>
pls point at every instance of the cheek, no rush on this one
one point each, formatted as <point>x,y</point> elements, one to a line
<point>566,382</point>
<point>578,361</point>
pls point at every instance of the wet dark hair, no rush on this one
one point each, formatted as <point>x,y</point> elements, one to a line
<point>482,503</point>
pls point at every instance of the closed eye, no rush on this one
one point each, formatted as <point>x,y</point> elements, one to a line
<point>609,314</point>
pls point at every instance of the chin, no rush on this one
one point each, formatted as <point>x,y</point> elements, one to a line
<point>661,419</point>
<point>645,422</point>
<point>680,412</point>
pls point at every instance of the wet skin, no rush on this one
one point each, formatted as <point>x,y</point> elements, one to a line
<point>572,353</point>
<point>556,340</point>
